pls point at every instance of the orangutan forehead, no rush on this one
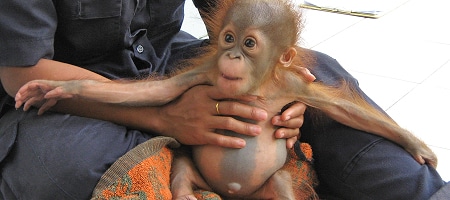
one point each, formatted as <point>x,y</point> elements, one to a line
<point>266,15</point>
<point>251,13</point>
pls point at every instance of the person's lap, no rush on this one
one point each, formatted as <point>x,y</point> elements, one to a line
<point>352,164</point>
<point>59,156</point>
<point>356,165</point>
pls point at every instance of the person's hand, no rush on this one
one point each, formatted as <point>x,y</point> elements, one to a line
<point>192,119</point>
<point>290,122</point>
<point>291,119</point>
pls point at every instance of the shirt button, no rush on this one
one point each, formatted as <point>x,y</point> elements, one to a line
<point>140,49</point>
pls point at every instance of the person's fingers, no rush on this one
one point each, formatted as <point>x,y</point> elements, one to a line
<point>290,142</point>
<point>294,110</point>
<point>290,121</point>
<point>294,123</point>
<point>291,135</point>
<point>232,108</point>
<point>287,133</point>
<point>225,141</point>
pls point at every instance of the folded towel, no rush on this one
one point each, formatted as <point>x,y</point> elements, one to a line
<point>144,173</point>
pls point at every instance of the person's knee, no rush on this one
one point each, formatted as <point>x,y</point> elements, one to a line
<point>382,166</point>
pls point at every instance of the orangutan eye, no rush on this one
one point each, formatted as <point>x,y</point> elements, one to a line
<point>229,38</point>
<point>250,43</point>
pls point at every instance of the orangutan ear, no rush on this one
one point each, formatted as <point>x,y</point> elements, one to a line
<point>288,56</point>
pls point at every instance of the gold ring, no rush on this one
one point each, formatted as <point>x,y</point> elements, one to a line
<point>217,108</point>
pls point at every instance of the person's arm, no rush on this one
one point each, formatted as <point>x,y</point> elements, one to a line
<point>292,119</point>
<point>193,129</point>
<point>13,78</point>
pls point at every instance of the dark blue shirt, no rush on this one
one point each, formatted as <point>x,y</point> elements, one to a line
<point>115,38</point>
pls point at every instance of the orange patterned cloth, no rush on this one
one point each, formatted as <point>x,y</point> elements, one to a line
<point>144,173</point>
<point>304,178</point>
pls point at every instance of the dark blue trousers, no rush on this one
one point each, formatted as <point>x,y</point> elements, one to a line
<point>352,164</point>
<point>57,156</point>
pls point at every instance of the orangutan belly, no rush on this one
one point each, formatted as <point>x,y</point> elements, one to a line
<point>240,172</point>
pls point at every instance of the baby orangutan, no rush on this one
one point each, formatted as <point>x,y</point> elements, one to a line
<point>253,52</point>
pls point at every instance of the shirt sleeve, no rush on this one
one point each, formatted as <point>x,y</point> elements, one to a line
<point>27,30</point>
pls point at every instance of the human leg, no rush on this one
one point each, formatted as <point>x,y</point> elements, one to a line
<point>57,156</point>
<point>442,194</point>
<point>352,164</point>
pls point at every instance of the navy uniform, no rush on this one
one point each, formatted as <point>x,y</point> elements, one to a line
<point>58,156</point>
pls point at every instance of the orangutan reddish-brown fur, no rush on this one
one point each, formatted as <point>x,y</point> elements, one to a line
<point>253,51</point>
